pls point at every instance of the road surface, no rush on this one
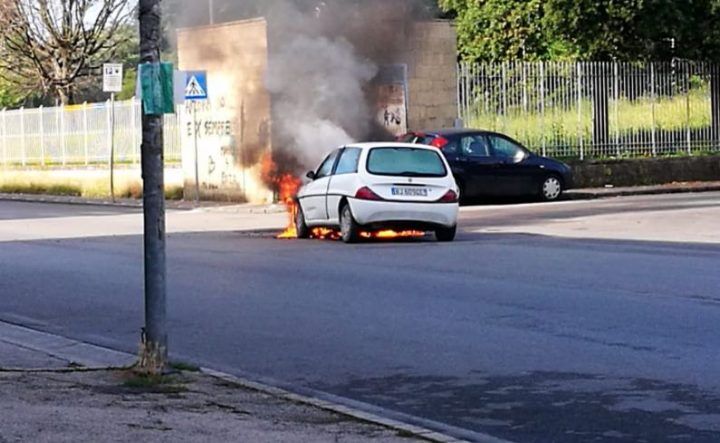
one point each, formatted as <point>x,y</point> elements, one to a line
<point>574,321</point>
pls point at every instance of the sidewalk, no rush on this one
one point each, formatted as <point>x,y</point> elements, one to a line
<point>47,394</point>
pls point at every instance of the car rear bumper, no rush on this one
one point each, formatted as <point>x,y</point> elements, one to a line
<point>405,214</point>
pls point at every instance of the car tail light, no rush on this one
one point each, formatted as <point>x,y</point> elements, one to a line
<point>449,197</point>
<point>366,193</point>
<point>439,142</point>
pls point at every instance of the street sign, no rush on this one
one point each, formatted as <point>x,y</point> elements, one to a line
<point>196,85</point>
<point>112,77</point>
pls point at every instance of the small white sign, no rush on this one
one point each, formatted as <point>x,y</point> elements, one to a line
<point>112,77</point>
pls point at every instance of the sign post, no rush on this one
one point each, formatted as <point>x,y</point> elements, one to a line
<point>112,83</point>
<point>196,89</point>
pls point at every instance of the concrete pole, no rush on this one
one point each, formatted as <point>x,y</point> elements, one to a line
<point>154,349</point>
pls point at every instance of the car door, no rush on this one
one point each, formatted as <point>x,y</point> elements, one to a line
<point>513,175</point>
<point>477,165</point>
<point>342,182</point>
<point>314,197</point>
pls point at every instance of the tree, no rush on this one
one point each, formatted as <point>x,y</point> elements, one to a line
<point>587,29</point>
<point>51,45</point>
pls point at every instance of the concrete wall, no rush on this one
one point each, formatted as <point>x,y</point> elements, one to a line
<point>647,171</point>
<point>432,72</point>
<point>233,127</point>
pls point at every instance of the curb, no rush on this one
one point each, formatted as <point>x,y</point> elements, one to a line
<point>93,357</point>
<point>626,192</point>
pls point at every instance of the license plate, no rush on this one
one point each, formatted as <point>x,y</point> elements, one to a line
<point>409,192</point>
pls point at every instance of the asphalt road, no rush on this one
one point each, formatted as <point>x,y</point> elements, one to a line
<point>528,337</point>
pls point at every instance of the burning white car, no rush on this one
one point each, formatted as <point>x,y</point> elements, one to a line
<point>379,186</point>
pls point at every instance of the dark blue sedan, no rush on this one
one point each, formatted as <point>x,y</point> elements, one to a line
<point>490,164</point>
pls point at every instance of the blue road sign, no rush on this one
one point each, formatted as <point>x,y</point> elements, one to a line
<point>196,85</point>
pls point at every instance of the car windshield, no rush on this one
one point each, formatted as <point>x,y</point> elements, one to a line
<point>408,162</point>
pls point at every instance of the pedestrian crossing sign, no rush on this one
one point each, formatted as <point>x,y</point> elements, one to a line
<point>196,85</point>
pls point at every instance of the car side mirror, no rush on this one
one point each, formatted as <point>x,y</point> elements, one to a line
<point>310,175</point>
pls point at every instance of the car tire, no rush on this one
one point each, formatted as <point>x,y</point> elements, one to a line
<point>349,228</point>
<point>301,227</point>
<point>551,188</point>
<point>446,234</point>
<point>462,198</point>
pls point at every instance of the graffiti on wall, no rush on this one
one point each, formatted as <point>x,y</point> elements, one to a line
<point>391,98</point>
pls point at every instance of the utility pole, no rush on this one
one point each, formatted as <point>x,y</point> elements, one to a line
<point>153,351</point>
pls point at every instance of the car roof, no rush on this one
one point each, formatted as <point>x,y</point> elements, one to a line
<point>453,131</point>
<point>371,145</point>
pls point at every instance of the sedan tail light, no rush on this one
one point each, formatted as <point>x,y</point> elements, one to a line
<point>366,193</point>
<point>439,142</point>
<point>449,197</point>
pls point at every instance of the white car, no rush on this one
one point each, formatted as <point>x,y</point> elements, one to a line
<point>376,186</point>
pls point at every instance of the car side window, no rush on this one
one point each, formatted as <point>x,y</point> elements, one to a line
<point>475,146</point>
<point>326,167</point>
<point>506,149</point>
<point>348,163</point>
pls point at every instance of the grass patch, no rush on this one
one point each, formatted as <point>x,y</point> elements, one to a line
<point>149,383</point>
<point>174,193</point>
<point>181,366</point>
<point>40,188</point>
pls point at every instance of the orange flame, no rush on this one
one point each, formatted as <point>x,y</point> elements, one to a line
<point>392,234</point>
<point>288,186</point>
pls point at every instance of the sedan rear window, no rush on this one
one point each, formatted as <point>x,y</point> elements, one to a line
<point>407,162</point>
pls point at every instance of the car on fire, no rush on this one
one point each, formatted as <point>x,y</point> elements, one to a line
<point>489,164</point>
<point>378,186</point>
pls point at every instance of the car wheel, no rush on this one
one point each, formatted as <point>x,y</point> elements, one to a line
<point>300,225</point>
<point>349,229</point>
<point>551,188</point>
<point>446,234</point>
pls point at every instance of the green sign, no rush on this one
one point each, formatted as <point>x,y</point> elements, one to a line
<point>156,83</point>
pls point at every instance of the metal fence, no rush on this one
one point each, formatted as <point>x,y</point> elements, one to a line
<point>79,135</point>
<point>596,109</point>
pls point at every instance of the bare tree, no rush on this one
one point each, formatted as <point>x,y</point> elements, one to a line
<point>50,45</point>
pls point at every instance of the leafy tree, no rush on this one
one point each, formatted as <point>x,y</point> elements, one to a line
<point>587,29</point>
<point>53,45</point>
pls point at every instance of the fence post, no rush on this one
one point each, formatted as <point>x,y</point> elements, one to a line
<point>579,106</point>
<point>23,155</point>
<point>616,90</point>
<point>652,106</point>
<point>61,109</point>
<point>42,136</point>
<point>687,107</point>
<point>5,136</point>
<point>135,144</point>
<point>504,86</point>
<point>85,133</point>
<point>542,108</point>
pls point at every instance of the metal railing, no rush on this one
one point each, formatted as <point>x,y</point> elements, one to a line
<point>78,135</point>
<point>596,109</point>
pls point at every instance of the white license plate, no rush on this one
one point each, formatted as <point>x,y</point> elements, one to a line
<point>409,192</point>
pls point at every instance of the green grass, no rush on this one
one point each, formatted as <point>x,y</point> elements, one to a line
<point>38,188</point>
<point>566,127</point>
<point>182,366</point>
<point>162,384</point>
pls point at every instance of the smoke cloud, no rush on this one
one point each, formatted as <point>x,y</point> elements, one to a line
<point>323,54</point>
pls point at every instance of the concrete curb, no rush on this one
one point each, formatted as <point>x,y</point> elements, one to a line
<point>641,190</point>
<point>93,357</point>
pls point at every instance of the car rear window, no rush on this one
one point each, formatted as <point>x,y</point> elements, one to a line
<point>408,162</point>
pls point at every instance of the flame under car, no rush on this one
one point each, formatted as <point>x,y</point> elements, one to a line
<point>379,186</point>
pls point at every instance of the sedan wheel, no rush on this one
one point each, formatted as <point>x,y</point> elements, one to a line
<point>445,234</point>
<point>300,225</point>
<point>551,188</point>
<point>349,229</point>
